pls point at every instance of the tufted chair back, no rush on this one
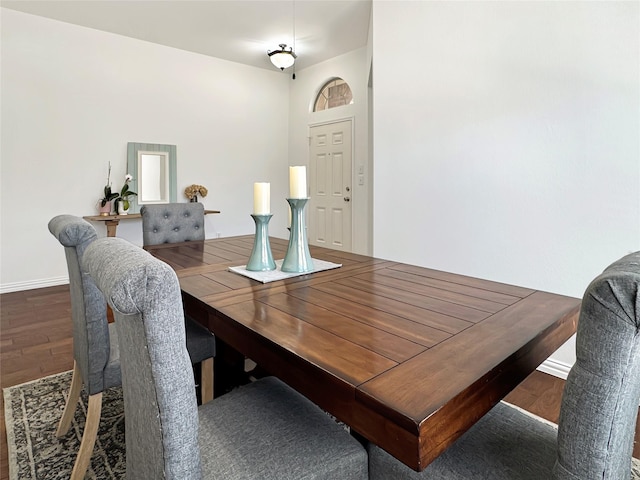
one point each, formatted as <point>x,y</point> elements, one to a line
<point>161,418</point>
<point>172,223</point>
<point>600,399</point>
<point>91,343</point>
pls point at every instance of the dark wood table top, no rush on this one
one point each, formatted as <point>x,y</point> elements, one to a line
<point>409,357</point>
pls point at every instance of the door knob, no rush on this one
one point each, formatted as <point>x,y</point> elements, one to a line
<point>346,199</point>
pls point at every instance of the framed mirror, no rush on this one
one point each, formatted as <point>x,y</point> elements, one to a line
<point>154,172</point>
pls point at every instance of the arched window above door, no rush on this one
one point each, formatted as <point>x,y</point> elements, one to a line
<point>334,93</point>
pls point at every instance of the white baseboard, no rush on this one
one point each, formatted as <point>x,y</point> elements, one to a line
<point>555,368</point>
<point>31,284</point>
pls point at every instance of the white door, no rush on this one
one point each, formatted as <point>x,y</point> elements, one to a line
<point>330,169</point>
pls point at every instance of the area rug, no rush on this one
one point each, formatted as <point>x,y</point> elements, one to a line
<point>32,412</point>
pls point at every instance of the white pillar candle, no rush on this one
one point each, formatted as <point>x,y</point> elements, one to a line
<point>261,198</point>
<point>298,182</point>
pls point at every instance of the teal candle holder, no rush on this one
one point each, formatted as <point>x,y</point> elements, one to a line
<point>298,259</point>
<point>261,259</point>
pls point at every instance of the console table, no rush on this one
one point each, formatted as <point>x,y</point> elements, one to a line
<point>112,221</point>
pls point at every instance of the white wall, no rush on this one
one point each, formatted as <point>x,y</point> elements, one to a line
<point>506,139</point>
<point>506,135</point>
<point>351,67</point>
<point>72,98</point>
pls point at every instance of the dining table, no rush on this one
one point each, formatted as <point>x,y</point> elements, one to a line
<point>408,357</point>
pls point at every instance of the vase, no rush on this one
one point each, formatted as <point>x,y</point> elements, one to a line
<point>106,210</point>
<point>194,199</point>
<point>121,209</point>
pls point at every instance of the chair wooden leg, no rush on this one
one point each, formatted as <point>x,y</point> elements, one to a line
<point>88,437</point>
<point>206,380</point>
<point>72,402</point>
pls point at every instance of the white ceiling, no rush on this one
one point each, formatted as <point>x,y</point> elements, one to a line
<point>237,30</point>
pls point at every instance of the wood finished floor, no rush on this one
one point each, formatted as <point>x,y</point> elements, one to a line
<point>35,341</point>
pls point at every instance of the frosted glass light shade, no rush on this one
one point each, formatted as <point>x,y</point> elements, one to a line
<point>282,58</point>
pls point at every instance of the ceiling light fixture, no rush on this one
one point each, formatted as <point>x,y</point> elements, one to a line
<point>285,57</point>
<point>282,58</point>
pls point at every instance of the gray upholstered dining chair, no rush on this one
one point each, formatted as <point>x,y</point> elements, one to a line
<point>95,348</point>
<point>594,437</point>
<point>96,362</point>
<point>174,223</point>
<point>263,430</point>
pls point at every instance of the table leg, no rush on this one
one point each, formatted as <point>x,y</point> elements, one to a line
<point>112,226</point>
<point>228,366</point>
<point>228,369</point>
